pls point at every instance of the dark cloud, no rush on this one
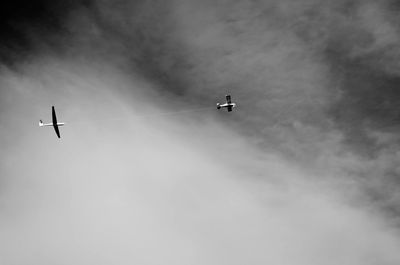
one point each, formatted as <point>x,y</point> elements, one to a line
<point>23,25</point>
<point>315,83</point>
<point>310,77</point>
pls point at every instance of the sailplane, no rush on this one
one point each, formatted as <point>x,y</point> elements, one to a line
<point>54,123</point>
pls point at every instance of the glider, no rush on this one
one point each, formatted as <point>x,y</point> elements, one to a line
<point>228,104</point>
<point>55,124</point>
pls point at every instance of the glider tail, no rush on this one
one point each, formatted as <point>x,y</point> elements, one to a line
<point>218,106</point>
<point>40,123</point>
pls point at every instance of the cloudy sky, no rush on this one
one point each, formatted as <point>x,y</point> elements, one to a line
<point>304,171</point>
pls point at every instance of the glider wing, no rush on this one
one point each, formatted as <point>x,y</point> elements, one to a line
<point>56,129</point>
<point>53,112</point>
<point>228,99</point>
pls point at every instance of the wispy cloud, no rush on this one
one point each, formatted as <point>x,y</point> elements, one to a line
<point>304,172</point>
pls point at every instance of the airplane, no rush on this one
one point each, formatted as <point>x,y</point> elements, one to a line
<point>229,104</point>
<point>55,124</point>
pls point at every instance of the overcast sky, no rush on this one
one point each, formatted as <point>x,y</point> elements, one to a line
<point>304,171</point>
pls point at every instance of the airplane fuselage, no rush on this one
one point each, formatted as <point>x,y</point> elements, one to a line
<point>226,105</point>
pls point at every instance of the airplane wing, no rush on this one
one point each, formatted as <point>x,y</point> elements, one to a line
<point>53,112</point>
<point>228,99</point>
<point>56,129</point>
<point>229,108</point>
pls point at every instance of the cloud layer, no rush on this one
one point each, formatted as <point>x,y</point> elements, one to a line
<point>304,172</point>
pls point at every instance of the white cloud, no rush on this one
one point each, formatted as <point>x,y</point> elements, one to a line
<point>120,188</point>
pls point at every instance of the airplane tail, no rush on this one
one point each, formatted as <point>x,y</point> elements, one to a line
<point>218,106</point>
<point>40,123</point>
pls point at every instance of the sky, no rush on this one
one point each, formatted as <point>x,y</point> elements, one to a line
<point>148,171</point>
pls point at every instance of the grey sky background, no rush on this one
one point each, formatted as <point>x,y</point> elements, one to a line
<point>305,171</point>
